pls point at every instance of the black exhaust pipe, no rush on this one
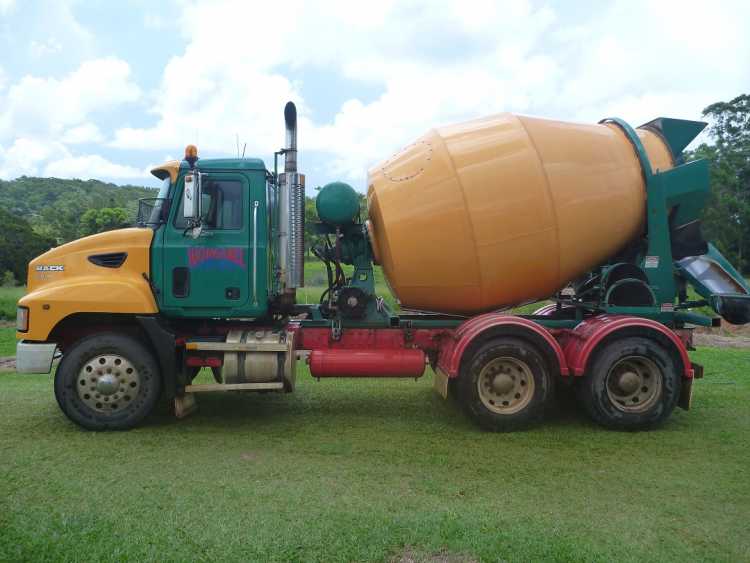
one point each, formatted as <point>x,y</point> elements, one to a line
<point>290,154</point>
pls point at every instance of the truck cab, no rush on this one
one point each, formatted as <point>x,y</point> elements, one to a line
<point>226,270</point>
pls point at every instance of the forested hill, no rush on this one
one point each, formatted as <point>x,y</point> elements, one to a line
<point>38,213</point>
<point>58,208</point>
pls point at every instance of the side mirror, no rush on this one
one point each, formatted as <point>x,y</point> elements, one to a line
<point>192,197</point>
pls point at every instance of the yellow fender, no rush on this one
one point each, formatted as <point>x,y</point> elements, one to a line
<point>68,280</point>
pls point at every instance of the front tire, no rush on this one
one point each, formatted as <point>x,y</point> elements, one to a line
<point>505,385</point>
<point>107,382</point>
<point>633,384</point>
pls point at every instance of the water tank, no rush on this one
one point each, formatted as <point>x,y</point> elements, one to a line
<point>505,209</point>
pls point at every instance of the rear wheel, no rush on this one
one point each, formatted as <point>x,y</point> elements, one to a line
<point>633,384</point>
<point>505,385</point>
<point>107,382</point>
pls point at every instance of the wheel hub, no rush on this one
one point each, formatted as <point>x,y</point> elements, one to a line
<point>108,383</point>
<point>502,383</point>
<point>634,384</point>
<point>505,385</point>
<point>628,382</point>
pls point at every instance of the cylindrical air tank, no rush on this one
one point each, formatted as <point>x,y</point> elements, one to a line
<point>505,209</point>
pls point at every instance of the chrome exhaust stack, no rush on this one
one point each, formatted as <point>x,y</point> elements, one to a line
<point>290,151</point>
<point>291,210</point>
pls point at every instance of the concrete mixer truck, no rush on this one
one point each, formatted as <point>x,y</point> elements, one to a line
<point>603,220</point>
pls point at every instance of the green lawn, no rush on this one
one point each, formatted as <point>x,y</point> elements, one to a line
<point>7,341</point>
<point>8,298</point>
<point>366,470</point>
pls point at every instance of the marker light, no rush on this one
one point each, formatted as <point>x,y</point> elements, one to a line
<point>22,319</point>
<point>191,155</point>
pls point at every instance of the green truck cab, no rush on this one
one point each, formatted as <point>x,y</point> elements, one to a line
<point>220,263</point>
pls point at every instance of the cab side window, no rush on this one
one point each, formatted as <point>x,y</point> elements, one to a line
<point>221,206</point>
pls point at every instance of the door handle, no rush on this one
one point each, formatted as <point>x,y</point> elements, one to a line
<point>206,234</point>
<point>255,252</point>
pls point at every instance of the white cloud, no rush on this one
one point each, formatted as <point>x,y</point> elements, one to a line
<point>424,63</point>
<point>434,63</point>
<point>44,106</point>
<point>42,116</point>
<point>84,133</point>
<point>38,157</point>
<point>7,6</point>
<point>25,155</point>
<point>89,166</point>
<point>224,84</point>
<point>32,30</point>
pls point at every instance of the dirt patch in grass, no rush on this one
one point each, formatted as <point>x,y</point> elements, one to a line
<point>725,336</point>
<point>411,556</point>
<point>7,363</point>
<point>721,341</point>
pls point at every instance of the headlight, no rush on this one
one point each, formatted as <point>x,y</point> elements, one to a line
<point>22,319</point>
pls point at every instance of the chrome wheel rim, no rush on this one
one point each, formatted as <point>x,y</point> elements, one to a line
<point>108,383</point>
<point>634,384</point>
<point>505,385</point>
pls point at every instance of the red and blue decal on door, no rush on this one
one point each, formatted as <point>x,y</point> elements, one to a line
<point>228,258</point>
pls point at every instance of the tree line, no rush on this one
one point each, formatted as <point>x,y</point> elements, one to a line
<point>726,220</point>
<point>38,213</point>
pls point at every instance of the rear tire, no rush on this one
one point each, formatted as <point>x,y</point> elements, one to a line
<point>633,384</point>
<point>107,382</point>
<point>505,385</point>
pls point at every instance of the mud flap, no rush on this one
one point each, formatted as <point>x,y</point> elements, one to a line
<point>185,405</point>
<point>686,394</point>
<point>440,383</point>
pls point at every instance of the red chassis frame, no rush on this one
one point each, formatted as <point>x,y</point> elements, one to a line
<point>403,352</point>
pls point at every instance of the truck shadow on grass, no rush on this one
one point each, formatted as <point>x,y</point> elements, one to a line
<point>390,406</point>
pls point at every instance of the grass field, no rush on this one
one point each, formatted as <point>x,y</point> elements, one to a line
<point>8,298</point>
<point>370,470</point>
<point>7,341</point>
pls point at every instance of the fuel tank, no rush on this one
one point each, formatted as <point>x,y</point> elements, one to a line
<point>505,209</point>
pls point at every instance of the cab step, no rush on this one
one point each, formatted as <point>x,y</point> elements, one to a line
<point>270,386</point>
<point>210,346</point>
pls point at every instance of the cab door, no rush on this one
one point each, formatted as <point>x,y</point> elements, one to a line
<point>209,275</point>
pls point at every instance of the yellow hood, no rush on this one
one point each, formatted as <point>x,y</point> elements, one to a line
<point>83,276</point>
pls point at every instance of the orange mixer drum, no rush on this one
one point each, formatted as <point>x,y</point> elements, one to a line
<point>505,209</point>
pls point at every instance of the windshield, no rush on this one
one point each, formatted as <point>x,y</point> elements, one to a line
<point>164,189</point>
<point>156,215</point>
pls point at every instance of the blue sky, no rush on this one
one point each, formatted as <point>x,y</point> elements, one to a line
<point>105,89</point>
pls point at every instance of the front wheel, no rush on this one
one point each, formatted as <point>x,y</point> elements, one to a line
<point>107,382</point>
<point>633,384</point>
<point>505,385</point>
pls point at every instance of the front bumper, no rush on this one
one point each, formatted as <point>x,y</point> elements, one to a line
<point>34,357</point>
